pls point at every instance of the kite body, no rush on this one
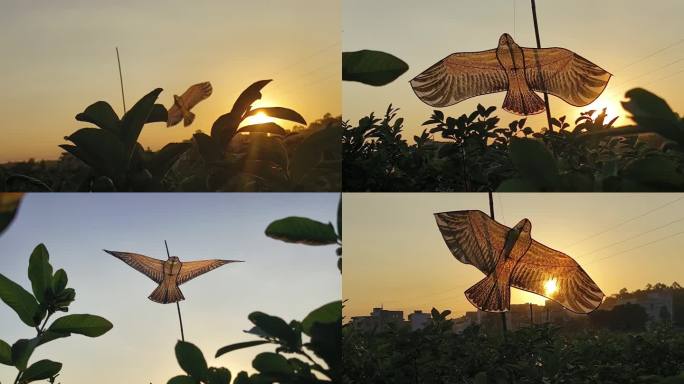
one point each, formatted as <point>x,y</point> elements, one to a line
<point>517,70</point>
<point>510,257</point>
<point>184,103</point>
<point>169,274</point>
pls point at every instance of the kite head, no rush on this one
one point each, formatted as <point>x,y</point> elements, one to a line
<point>174,258</point>
<point>506,39</point>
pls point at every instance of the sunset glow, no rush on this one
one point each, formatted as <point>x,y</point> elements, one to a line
<point>550,287</point>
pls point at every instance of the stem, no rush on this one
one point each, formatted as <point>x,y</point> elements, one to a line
<point>16,380</point>
<point>42,327</point>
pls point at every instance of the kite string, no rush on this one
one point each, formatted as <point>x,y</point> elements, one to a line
<point>180,319</point>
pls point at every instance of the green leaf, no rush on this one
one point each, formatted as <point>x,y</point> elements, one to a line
<point>22,351</point>
<point>162,160</point>
<point>40,272</point>
<point>100,149</point>
<point>224,128</point>
<point>279,113</point>
<point>20,300</point>
<point>5,353</point>
<point>302,230</point>
<point>251,94</point>
<point>326,343</point>
<point>41,370</point>
<point>372,67</point>
<point>182,379</point>
<point>328,313</point>
<point>218,376</point>
<point>102,115</point>
<point>208,148</point>
<point>242,378</point>
<point>535,163</point>
<point>9,205</point>
<point>265,148</point>
<point>82,324</point>
<point>276,327</point>
<point>158,114</point>
<point>134,120</point>
<point>653,113</point>
<point>658,173</point>
<point>59,281</point>
<point>236,346</point>
<point>191,359</point>
<point>271,363</point>
<point>309,153</point>
<point>270,127</point>
<point>339,220</point>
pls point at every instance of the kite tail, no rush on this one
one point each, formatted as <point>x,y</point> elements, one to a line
<point>188,119</point>
<point>523,102</point>
<point>167,292</point>
<point>489,296</point>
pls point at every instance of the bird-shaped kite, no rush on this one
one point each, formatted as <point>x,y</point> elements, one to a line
<point>517,70</point>
<point>511,258</point>
<point>169,274</point>
<point>184,103</point>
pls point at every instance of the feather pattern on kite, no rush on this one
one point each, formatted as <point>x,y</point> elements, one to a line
<point>510,257</point>
<point>518,71</point>
<point>169,274</point>
<point>183,104</point>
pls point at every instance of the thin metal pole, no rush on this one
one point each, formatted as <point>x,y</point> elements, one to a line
<point>531,316</point>
<point>541,77</point>
<point>504,325</point>
<point>123,98</point>
<point>180,319</point>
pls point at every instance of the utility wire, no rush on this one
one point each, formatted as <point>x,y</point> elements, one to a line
<point>637,247</point>
<point>625,222</point>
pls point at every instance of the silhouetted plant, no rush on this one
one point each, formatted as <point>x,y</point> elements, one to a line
<point>116,159</point>
<point>50,295</point>
<point>475,154</point>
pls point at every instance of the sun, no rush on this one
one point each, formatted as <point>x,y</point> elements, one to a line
<point>259,118</point>
<point>550,287</point>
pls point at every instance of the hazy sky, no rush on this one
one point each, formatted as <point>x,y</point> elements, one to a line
<point>287,280</point>
<point>395,255</point>
<point>610,33</point>
<point>58,57</point>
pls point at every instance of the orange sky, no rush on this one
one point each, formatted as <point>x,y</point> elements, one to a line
<point>640,43</point>
<point>395,256</point>
<point>59,57</point>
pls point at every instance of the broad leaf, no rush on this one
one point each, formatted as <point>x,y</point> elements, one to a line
<point>339,219</point>
<point>9,204</point>
<point>328,313</point>
<point>271,363</point>
<point>20,300</point>
<point>59,281</point>
<point>162,160</point>
<point>302,230</point>
<point>372,67</point>
<point>100,149</point>
<point>271,128</point>
<point>134,120</point>
<point>182,379</point>
<point>535,163</point>
<point>276,327</point>
<point>192,361</point>
<point>279,113</point>
<point>102,115</point>
<point>22,351</point>
<point>5,353</point>
<point>218,376</point>
<point>40,272</point>
<point>41,370</point>
<point>236,346</point>
<point>224,128</point>
<point>247,97</point>
<point>87,325</point>
<point>158,114</point>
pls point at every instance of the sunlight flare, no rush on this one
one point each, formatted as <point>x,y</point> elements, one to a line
<point>550,287</point>
<point>260,118</point>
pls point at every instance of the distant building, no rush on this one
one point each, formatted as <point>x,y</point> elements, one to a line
<point>419,320</point>
<point>658,305</point>
<point>379,318</point>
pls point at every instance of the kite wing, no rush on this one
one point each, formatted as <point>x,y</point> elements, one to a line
<point>190,98</point>
<point>565,74</point>
<point>191,269</point>
<point>473,237</point>
<point>152,268</point>
<point>460,76</point>
<point>575,290</point>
